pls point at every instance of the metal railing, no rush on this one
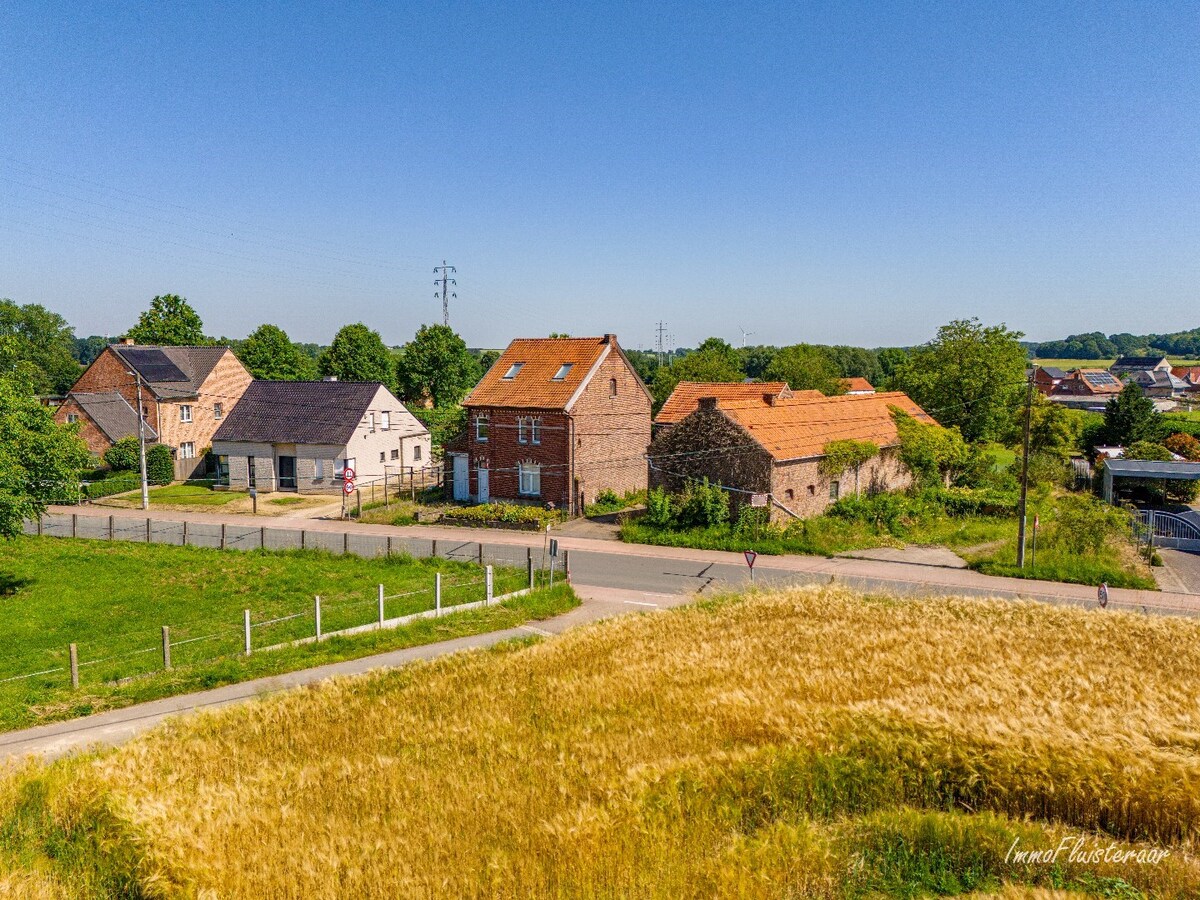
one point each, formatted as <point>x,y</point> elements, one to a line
<point>1167,529</point>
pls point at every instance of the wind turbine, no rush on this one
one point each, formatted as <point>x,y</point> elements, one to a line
<point>745,334</point>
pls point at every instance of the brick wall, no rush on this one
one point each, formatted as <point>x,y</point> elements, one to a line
<point>108,373</point>
<point>503,452</point>
<point>612,431</point>
<point>801,487</point>
<point>95,439</point>
<point>707,444</point>
<point>225,385</point>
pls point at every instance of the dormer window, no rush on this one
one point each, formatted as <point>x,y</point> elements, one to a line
<point>563,371</point>
<point>512,371</point>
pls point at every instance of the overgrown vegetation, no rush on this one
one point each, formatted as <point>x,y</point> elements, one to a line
<point>500,513</point>
<point>741,748</point>
<point>608,502</point>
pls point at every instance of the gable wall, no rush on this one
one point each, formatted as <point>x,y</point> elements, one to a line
<point>611,433</point>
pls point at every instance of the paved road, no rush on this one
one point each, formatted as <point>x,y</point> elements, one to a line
<point>1180,571</point>
<point>119,725</point>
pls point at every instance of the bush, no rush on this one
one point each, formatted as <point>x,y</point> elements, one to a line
<point>124,455</point>
<point>117,484</point>
<point>506,513</point>
<point>659,512</point>
<point>1184,445</point>
<point>1046,469</point>
<point>703,505</point>
<point>1082,524</point>
<point>160,468</point>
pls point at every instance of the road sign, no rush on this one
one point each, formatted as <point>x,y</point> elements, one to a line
<point>348,487</point>
<point>751,556</point>
<point>348,473</point>
<point>758,499</point>
<point>553,547</point>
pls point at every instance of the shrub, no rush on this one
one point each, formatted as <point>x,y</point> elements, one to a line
<point>703,505</point>
<point>659,512</point>
<point>1184,445</point>
<point>607,497</point>
<point>160,468</point>
<point>124,455</point>
<point>506,513</point>
<point>1082,524</point>
<point>117,484</point>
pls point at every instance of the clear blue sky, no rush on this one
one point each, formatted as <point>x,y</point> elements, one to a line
<point>833,172</point>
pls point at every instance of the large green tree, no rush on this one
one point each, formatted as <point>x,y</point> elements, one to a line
<point>40,461</point>
<point>806,368</point>
<point>170,321</point>
<point>436,364</point>
<point>270,354</point>
<point>37,345</point>
<point>713,360</point>
<point>358,354</point>
<point>1053,429</point>
<point>970,376</point>
<point>1129,417</point>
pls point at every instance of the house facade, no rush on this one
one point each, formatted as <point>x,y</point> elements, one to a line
<point>104,417</point>
<point>1127,365</point>
<point>553,421</point>
<point>302,436</point>
<point>773,447</point>
<point>1047,378</point>
<point>186,392</point>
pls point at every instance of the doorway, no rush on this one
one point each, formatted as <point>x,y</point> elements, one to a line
<point>484,493</point>
<point>287,473</point>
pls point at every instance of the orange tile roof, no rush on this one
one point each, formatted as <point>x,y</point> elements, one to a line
<point>534,385</point>
<point>857,384</point>
<point>798,429</point>
<point>1187,373</point>
<point>686,396</point>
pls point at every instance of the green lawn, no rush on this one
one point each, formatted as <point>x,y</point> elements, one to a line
<point>286,501</point>
<point>111,599</point>
<point>192,495</point>
<point>1068,364</point>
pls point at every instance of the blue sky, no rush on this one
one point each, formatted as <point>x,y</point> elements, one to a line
<point>827,172</point>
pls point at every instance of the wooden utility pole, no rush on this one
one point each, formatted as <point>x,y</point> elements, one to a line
<point>1025,475</point>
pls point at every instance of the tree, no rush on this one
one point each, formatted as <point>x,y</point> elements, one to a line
<point>755,359</point>
<point>969,376</point>
<point>358,354</point>
<point>437,364</point>
<point>713,360</point>
<point>88,348</point>
<point>160,467</point>
<point>806,368</point>
<point>37,346</point>
<point>125,455</point>
<point>855,362</point>
<point>1052,428</point>
<point>170,321</point>
<point>933,454</point>
<point>1129,417</point>
<point>842,455</point>
<point>1184,445</point>
<point>487,359</point>
<point>40,461</point>
<point>270,354</point>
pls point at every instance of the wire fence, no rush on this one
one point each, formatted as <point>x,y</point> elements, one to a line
<point>496,572</point>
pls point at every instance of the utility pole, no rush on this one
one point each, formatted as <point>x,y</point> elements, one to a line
<point>659,344</point>
<point>1025,475</point>
<point>142,441</point>
<point>445,281</point>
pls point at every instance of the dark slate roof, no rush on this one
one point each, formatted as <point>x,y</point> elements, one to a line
<point>298,412</point>
<point>171,372</point>
<point>112,414</point>
<point>1137,362</point>
<point>1144,468</point>
<point>1053,371</point>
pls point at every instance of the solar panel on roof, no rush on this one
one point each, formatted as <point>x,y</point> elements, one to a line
<point>153,364</point>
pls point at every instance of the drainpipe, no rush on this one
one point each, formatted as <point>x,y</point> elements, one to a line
<point>571,475</point>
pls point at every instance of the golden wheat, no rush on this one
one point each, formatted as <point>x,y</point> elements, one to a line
<point>756,747</point>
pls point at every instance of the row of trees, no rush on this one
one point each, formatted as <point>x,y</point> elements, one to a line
<point>1097,345</point>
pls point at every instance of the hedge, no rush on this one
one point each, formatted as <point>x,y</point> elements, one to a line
<point>117,484</point>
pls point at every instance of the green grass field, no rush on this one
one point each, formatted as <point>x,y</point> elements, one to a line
<point>111,600</point>
<point>192,495</point>
<point>1069,364</point>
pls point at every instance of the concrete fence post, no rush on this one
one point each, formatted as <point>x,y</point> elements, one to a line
<point>262,537</point>
<point>222,535</point>
<point>567,566</point>
<point>389,545</point>
<point>166,639</point>
<point>74,652</point>
<point>74,525</point>
<point>488,586</point>
<point>433,550</point>
<point>381,606</point>
<point>303,539</point>
<point>317,614</point>
<point>147,529</point>
<point>437,593</point>
<point>246,627</point>
<point>185,533</point>
<point>481,553</point>
<point>345,542</point>
<point>112,528</point>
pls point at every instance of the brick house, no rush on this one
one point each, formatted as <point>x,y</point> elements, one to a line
<point>1047,378</point>
<point>686,397</point>
<point>104,417</point>
<point>301,435</point>
<point>186,392</point>
<point>553,421</point>
<point>774,446</point>
<point>1088,383</point>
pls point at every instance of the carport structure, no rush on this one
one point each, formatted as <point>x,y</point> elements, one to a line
<point>1148,469</point>
<point>1164,529</point>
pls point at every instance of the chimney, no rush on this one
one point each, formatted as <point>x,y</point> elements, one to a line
<point>769,399</point>
<point>128,341</point>
<point>709,403</point>
<point>610,339</point>
<point>329,378</point>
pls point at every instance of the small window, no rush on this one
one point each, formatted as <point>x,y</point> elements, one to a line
<point>371,422</point>
<point>383,456</point>
<point>834,488</point>
<point>612,387</point>
<point>223,470</point>
<point>513,370</point>
<point>385,421</point>
<point>530,479</point>
<point>535,430</point>
<point>185,412</point>
<point>250,479</point>
<point>218,411</point>
<point>72,418</point>
<point>812,490</point>
<point>563,371</point>
<point>396,454</point>
<point>417,453</point>
<point>481,428</point>
<point>187,450</point>
<point>318,469</point>
<point>522,437</point>
<point>789,494</point>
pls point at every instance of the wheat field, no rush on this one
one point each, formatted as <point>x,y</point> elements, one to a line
<point>810,743</point>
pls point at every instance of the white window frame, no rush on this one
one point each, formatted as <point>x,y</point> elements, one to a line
<point>529,479</point>
<point>481,428</point>
<point>416,453</point>
<point>513,371</point>
<point>318,470</point>
<point>187,450</point>
<point>72,418</point>
<point>563,371</point>
<point>385,421</point>
<point>521,436</point>
<point>371,422</point>
<point>218,412</point>
<point>535,431</point>
<point>185,412</point>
